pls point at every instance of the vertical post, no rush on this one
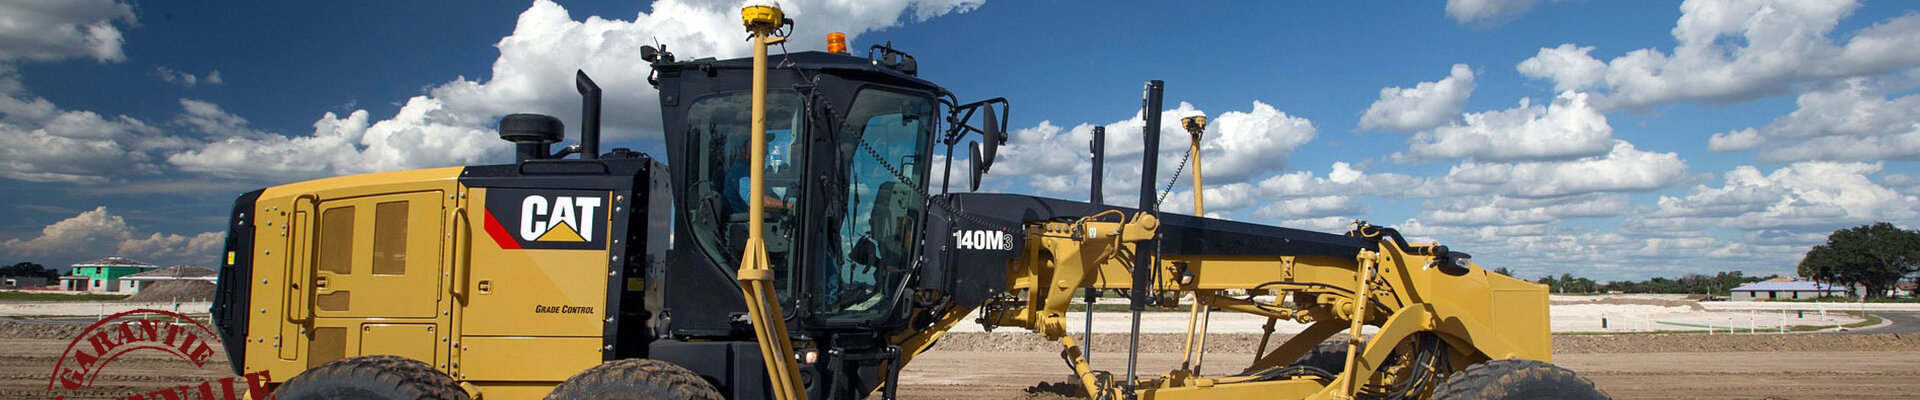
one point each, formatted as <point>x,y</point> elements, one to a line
<point>1098,148</point>
<point>1196,348</point>
<point>755,274</point>
<point>1144,261</point>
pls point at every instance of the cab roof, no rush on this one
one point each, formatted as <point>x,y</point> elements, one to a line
<point>838,64</point>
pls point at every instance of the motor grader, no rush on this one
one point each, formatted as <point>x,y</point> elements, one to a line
<point>797,248</point>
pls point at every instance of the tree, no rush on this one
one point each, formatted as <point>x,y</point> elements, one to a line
<point>30,269</point>
<point>1873,256</point>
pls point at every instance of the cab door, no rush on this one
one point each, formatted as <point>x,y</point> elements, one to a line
<point>376,275</point>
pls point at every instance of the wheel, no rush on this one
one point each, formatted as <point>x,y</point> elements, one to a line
<point>371,377</point>
<point>1330,356</point>
<point>635,379</point>
<point>1517,380</point>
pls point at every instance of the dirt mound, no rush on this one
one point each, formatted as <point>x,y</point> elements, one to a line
<point>1246,343</point>
<point>1698,343</point>
<point>39,330</point>
<point>168,291</point>
<point>1632,301</point>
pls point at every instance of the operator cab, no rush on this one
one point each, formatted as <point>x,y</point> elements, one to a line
<point>850,142</point>
<point>849,154</point>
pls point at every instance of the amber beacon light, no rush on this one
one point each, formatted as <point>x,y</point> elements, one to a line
<point>837,43</point>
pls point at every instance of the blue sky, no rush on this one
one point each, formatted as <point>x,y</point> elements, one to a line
<point>1655,139</point>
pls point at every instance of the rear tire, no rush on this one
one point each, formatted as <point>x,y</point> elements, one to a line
<point>371,377</point>
<point>635,379</point>
<point>1517,380</point>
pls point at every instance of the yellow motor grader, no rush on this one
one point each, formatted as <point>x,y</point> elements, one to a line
<point>797,249</point>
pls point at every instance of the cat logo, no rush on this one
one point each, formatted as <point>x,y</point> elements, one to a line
<point>547,219</point>
<point>539,225</point>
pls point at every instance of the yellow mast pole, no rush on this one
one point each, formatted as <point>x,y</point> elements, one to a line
<point>1195,353</point>
<point>755,274</point>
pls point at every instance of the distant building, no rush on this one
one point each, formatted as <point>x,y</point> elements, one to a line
<point>135,283</point>
<point>102,275</point>
<point>1791,290</point>
<point>16,282</point>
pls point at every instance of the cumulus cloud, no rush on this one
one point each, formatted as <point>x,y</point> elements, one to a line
<point>1854,120</point>
<point>1567,128</point>
<point>1424,106</point>
<point>1503,210</point>
<point>450,125</point>
<point>1731,51</point>
<point>58,30</point>
<point>1622,169</point>
<point>1237,146</point>
<point>1568,66</point>
<point>48,144</point>
<point>100,233</point>
<point>1800,197</point>
<point>1487,12</point>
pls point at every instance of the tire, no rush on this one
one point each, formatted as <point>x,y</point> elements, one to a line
<point>371,377</point>
<point>635,379</point>
<point>1330,356</point>
<point>1517,380</point>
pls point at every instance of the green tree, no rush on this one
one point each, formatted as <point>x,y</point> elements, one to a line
<point>30,269</point>
<point>1873,256</point>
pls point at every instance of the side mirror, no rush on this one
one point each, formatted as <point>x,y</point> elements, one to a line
<point>974,165</point>
<point>991,130</point>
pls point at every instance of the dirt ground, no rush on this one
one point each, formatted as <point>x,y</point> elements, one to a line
<point>1018,365</point>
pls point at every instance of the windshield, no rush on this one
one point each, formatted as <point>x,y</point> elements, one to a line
<point>883,142</point>
<point>718,197</point>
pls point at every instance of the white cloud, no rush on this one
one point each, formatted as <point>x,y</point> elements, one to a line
<point>1737,140</point>
<point>534,73</point>
<point>213,78</point>
<point>1567,128</point>
<point>1731,51</point>
<point>48,144</point>
<point>1342,180</point>
<point>1568,66</point>
<point>1623,169</point>
<point>209,119</point>
<point>58,30</point>
<point>1424,106</point>
<point>1800,197</point>
<point>1487,12</point>
<point>1313,207</point>
<point>1222,200</point>
<point>1503,210</point>
<point>1854,120</point>
<point>1237,146</point>
<point>99,233</point>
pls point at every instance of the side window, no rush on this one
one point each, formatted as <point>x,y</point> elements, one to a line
<point>390,238</point>
<point>336,240</point>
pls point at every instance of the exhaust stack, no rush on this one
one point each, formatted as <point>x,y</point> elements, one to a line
<point>589,115</point>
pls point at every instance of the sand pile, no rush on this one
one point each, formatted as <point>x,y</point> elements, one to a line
<point>167,291</point>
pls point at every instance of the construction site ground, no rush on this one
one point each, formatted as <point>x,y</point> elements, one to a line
<point>1019,365</point>
<point>1878,362</point>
